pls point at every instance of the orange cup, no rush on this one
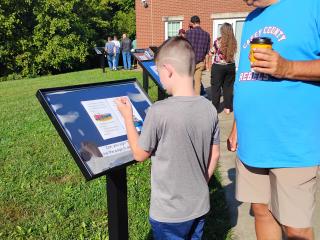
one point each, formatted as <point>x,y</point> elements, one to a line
<point>260,42</point>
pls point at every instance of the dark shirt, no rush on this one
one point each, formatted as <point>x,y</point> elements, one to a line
<point>126,45</point>
<point>200,41</point>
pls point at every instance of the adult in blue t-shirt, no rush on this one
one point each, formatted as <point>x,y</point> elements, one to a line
<point>277,115</point>
<point>109,49</point>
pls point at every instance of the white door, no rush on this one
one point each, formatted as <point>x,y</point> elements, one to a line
<point>237,24</point>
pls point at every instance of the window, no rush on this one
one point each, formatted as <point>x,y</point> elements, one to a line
<point>172,28</point>
<point>237,24</point>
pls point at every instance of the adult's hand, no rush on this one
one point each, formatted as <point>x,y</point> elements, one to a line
<point>270,62</point>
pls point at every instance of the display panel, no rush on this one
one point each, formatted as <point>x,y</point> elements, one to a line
<point>143,54</point>
<point>90,124</point>
<point>151,68</point>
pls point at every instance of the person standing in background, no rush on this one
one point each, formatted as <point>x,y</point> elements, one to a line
<point>223,68</point>
<point>182,33</point>
<point>126,46</point>
<point>109,49</point>
<point>134,45</point>
<point>133,49</point>
<point>200,41</point>
<point>116,52</point>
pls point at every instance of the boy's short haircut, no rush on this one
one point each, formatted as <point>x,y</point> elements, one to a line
<point>195,20</point>
<point>178,52</point>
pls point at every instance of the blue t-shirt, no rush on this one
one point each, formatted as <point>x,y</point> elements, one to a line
<point>278,120</point>
<point>109,48</point>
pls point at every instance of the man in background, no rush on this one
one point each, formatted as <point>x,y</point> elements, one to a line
<point>200,41</point>
<point>133,49</point>
<point>126,46</point>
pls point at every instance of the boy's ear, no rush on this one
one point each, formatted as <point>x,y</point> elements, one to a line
<point>169,69</point>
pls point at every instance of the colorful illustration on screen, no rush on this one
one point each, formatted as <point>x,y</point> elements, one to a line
<point>137,123</point>
<point>103,117</point>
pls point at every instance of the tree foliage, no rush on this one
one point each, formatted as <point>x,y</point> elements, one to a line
<point>48,36</point>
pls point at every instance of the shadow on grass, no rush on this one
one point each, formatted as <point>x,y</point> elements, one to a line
<point>149,236</point>
<point>217,225</point>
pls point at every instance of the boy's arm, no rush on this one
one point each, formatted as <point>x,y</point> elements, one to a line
<point>213,160</point>
<point>214,149</point>
<point>138,153</point>
<point>125,109</point>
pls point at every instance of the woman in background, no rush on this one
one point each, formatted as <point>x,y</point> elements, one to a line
<point>223,68</point>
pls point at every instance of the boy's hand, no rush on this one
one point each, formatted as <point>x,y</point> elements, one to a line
<point>124,107</point>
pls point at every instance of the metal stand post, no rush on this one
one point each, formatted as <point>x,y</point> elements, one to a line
<point>102,62</point>
<point>117,204</point>
<point>145,81</point>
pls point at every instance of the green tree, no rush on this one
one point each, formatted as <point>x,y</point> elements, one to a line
<point>124,22</point>
<point>48,36</point>
<point>16,24</point>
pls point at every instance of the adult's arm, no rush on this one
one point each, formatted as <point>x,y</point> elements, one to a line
<point>271,62</point>
<point>232,142</point>
<point>114,49</point>
<point>208,45</point>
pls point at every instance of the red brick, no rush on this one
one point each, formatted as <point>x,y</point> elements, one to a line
<point>150,27</point>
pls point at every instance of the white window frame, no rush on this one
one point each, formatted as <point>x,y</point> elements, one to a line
<point>217,22</point>
<point>166,27</point>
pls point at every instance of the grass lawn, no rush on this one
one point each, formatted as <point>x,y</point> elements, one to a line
<point>43,194</point>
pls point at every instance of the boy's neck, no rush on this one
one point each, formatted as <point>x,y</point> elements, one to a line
<point>183,88</point>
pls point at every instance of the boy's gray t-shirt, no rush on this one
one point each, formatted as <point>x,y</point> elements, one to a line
<point>179,132</point>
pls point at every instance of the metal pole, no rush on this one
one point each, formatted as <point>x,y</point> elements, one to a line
<point>145,81</point>
<point>102,62</point>
<point>117,204</point>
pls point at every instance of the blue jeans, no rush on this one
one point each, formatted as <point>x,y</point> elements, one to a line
<point>116,60</point>
<point>189,230</point>
<point>110,60</point>
<point>126,57</point>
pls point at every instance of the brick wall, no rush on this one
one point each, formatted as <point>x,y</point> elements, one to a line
<point>151,28</point>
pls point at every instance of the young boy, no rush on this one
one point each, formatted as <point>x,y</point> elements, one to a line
<point>181,135</point>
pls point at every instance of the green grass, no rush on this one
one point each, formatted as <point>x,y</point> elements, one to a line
<point>43,195</point>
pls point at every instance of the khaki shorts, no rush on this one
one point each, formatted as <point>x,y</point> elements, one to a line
<point>289,192</point>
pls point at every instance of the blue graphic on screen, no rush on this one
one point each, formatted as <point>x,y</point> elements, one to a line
<point>150,66</point>
<point>85,125</point>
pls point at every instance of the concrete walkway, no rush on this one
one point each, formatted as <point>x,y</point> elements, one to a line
<point>240,217</point>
